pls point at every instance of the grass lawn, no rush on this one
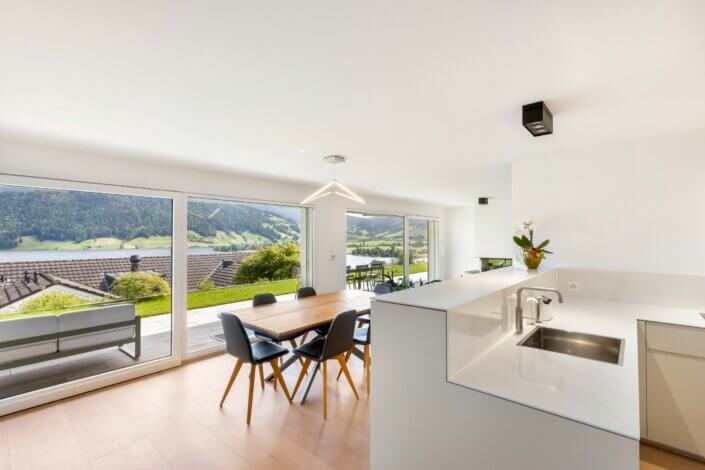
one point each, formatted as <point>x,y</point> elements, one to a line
<point>32,243</point>
<point>149,242</point>
<point>208,298</point>
<point>413,269</point>
<point>195,299</point>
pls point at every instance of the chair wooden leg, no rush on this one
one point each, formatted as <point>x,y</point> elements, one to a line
<point>303,338</point>
<point>347,358</point>
<point>307,363</point>
<point>294,345</point>
<point>278,376</point>
<point>236,369</point>
<point>261,375</point>
<point>325,389</point>
<point>249,396</point>
<point>344,367</point>
<point>367,368</point>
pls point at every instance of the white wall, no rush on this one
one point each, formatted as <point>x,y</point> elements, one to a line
<point>25,157</point>
<point>493,229</point>
<point>635,206</point>
<point>459,241</point>
<point>476,231</point>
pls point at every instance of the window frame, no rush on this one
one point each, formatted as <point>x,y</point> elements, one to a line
<point>433,244</point>
<point>179,247</point>
<point>307,256</point>
<point>86,384</point>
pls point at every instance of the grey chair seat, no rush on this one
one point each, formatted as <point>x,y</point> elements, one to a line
<point>362,336</point>
<point>266,351</point>
<point>312,349</point>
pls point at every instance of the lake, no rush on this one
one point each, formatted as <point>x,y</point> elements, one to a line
<point>354,260</point>
<point>9,256</point>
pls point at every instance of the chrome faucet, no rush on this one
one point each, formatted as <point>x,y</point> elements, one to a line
<point>519,312</point>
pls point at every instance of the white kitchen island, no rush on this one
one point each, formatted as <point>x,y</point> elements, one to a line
<point>451,388</point>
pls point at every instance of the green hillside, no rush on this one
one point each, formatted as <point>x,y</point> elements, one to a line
<point>33,219</point>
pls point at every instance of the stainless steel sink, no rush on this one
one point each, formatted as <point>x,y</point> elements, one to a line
<point>599,348</point>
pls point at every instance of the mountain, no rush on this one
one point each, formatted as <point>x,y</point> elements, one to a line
<point>77,216</point>
<point>208,218</point>
<point>386,227</point>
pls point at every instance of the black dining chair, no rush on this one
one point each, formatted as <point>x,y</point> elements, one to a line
<point>267,299</point>
<point>237,344</point>
<point>257,301</point>
<point>380,288</point>
<point>334,346</point>
<point>362,337</point>
<point>302,292</point>
<point>263,299</point>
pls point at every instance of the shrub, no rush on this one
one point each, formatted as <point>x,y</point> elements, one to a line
<point>139,284</point>
<point>272,263</point>
<point>51,300</point>
<point>206,284</point>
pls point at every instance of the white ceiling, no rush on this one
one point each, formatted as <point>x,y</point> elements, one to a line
<point>423,96</point>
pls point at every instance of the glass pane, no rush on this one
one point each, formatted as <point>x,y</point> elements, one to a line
<point>237,250</point>
<point>85,284</point>
<point>418,250</point>
<point>374,241</point>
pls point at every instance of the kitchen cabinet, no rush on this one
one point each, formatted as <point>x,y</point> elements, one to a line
<point>673,382</point>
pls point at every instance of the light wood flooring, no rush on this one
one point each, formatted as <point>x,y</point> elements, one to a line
<point>172,421</point>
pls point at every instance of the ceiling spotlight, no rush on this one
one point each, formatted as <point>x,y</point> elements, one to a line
<point>537,118</point>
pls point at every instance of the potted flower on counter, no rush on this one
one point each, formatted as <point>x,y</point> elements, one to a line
<point>532,254</point>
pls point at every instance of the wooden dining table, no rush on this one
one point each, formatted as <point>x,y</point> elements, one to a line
<point>285,321</point>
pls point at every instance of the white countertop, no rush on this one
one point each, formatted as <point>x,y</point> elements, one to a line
<point>449,294</point>
<point>589,391</point>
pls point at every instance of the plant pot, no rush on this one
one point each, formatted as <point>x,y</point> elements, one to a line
<point>532,258</point>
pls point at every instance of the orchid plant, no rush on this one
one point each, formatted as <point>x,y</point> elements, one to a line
<point>533,254</point>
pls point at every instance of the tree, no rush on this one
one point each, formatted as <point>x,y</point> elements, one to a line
<point>139,284</point>
<point>51,300</point>
<point>272,263</point>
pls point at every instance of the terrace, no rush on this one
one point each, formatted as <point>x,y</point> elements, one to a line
<point>23,281</point>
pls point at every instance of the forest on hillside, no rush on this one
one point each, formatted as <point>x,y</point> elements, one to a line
<point>77,216</point>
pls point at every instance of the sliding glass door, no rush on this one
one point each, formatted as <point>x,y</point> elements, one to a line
<point>399,250</point>
<point>375,250</point>
<point>423,249</point>
<point>85,284</point>
<point>237,250</point>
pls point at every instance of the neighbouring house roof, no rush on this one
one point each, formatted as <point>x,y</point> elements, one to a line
<point>15,289</point>
<point>90,274</point>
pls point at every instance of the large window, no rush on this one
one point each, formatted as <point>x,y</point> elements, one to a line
<point>236,250</point>
<point>85,284</point>
<point>422,250</point>
<point>378,251</point>
<point>375,249</point>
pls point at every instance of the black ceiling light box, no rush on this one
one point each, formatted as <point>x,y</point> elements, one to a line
<point>537,118</point>
<point>483,201</point>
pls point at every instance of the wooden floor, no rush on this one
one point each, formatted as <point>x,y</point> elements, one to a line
<point>171,421</point>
